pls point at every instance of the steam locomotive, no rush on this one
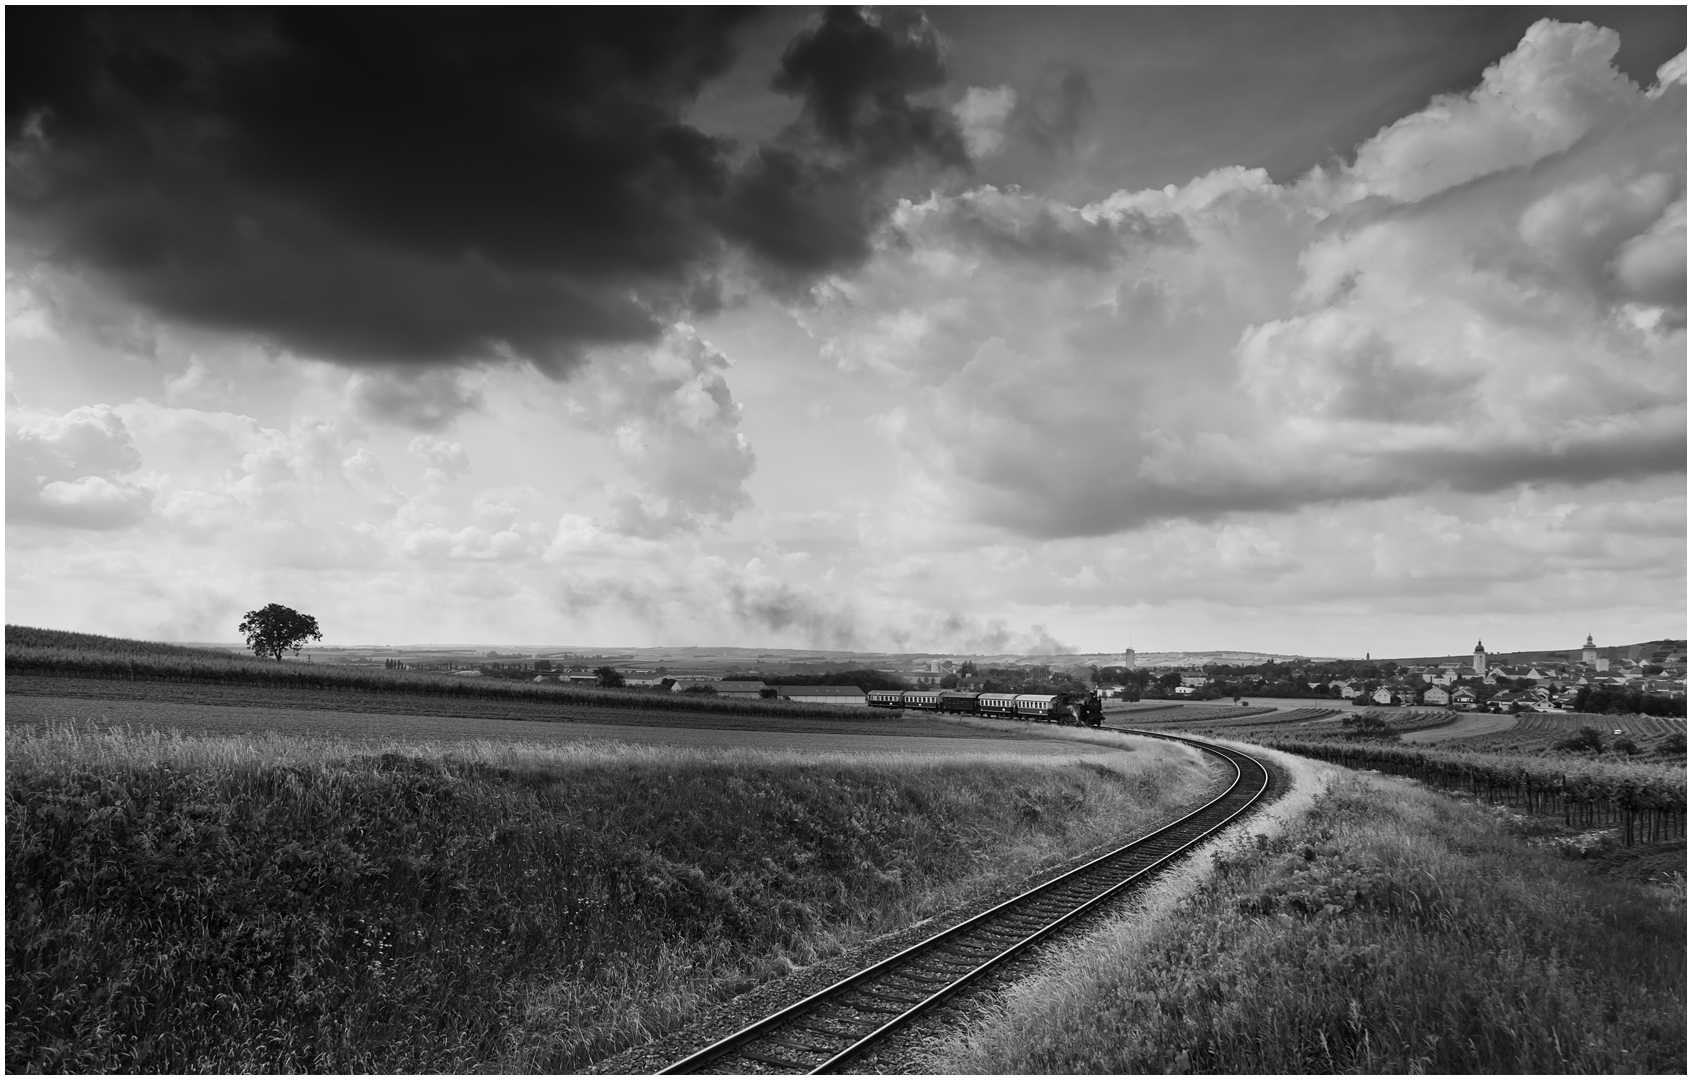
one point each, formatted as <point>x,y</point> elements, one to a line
<point>1078,709</point>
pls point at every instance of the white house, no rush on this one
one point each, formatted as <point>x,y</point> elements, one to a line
<point>1436,695</point>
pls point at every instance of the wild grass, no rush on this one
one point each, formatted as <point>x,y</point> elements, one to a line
<point>35,637</point>
<point>1393,931</point>
<point>285,904</point>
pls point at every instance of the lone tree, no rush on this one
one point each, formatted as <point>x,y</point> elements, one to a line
<point>609,677</point>
<point>273,629</point>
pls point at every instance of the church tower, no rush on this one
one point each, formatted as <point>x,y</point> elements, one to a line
<point>1128,659</point>
<point>1589,652</point>
<point>1480,659</point>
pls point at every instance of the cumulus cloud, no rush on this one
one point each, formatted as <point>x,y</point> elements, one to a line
<point>68,470</point>
<point>198,385</point>
<point>1237,345</point>
<point>1557,85</point>
<point>447,461</point>
<point>981,117</point>
<point>675,427</point>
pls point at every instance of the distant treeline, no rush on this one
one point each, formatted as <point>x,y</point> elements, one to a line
<point>1599,700</point>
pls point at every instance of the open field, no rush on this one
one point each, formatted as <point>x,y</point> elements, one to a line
<point>1393,931</point>
<point>119,699</point>
<point>1217,723</point>
<point>272,903</point>
<point>1172,711</point>
<point>1467,725</point>
<point>920,735</point>
<point>91,658</point>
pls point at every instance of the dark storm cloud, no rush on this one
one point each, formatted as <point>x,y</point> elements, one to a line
<point>392,186</point>
<point>808,203</point>
<point>373,184</point>
<point>856,74</point>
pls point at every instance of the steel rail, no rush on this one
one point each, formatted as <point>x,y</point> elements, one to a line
<point>953,980</point>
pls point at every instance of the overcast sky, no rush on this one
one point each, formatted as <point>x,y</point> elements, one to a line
<point>1314,331</point>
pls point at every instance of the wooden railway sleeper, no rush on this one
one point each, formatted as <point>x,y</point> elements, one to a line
<point>808,1048</point>
<point>884,1010</point>
<point>915,977</point>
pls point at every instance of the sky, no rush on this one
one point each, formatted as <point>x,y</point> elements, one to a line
<point>975,330</point>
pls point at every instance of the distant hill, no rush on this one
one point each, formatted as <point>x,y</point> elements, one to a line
<point>1184,658</point>
<point>1657,650</point>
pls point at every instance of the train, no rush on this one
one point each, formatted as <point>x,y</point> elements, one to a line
<point>1083,710</point>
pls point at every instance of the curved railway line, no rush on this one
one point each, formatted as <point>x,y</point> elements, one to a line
<point>833,1027</point>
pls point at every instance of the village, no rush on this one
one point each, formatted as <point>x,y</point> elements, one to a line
<point>1646,677</point>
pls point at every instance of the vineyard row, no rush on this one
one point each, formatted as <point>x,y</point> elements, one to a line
<point>1648,802</point>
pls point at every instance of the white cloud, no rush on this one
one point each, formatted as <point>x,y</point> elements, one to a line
<point>1234,345</point>
<point>67,470</point>
<point>675,427</point>
<point>447,460</point>
<point>197,385</point>
<point>1554,88</point>
<point>981,116</point>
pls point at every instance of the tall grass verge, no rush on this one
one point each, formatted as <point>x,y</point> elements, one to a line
<point>1391,931</point>
<point>284,904</point>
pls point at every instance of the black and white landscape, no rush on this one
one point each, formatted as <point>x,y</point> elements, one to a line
<point>981,330</point>
<point>561,539</point>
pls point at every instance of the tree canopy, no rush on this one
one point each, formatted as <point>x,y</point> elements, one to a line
<point>273,630</point>
<point>609,677</point>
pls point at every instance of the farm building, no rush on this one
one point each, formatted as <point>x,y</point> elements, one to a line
<point>737,688</point>
<point>823,695</point>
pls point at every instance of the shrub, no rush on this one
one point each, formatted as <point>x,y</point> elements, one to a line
<point>1369,726</point>
<point>1586,739</point>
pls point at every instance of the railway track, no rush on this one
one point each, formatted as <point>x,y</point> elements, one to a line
<point>832,1027</point>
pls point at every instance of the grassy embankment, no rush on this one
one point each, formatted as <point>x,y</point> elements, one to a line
<point>1393,930</point>
<point>1646,799</point>
<point>58,654</point>
<point>270,904</point>
<point>1643,794</point>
